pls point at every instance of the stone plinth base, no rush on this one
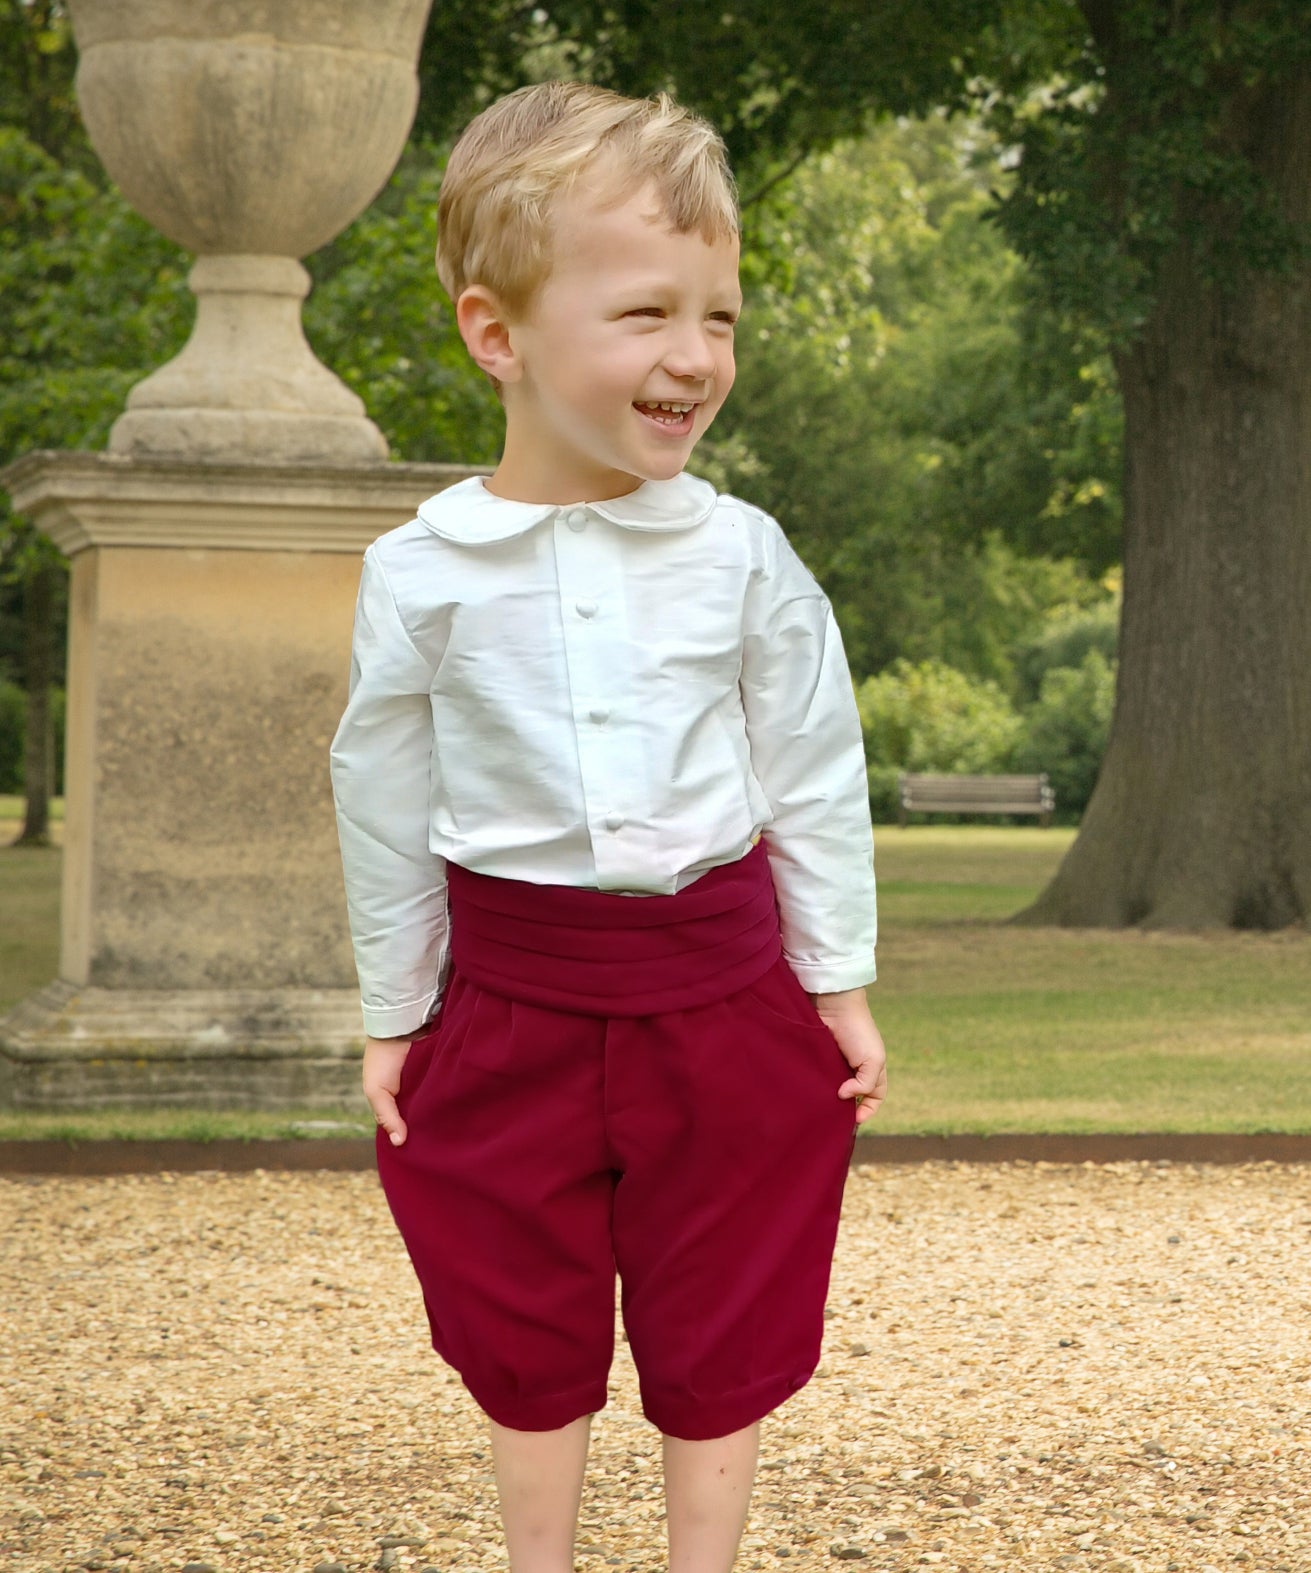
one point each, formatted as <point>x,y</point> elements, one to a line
<point>71,1047</point>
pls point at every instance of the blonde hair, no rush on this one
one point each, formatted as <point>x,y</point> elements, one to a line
<point>516,159</point>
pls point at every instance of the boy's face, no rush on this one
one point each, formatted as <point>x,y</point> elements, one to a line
<point>631,317</point>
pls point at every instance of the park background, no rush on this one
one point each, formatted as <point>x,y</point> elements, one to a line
<point>961,248</point>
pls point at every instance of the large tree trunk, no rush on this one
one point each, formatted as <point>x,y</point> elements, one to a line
<point>38,749</point>
<point>1202,812</point>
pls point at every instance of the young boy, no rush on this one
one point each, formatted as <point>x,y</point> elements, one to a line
<point>603,817</point>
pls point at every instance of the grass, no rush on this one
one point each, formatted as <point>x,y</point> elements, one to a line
<point>11,807</point>
<point>996,1028</point>
<point>188,1125</point>
<point>29,914</point>
<point>990,1027</point>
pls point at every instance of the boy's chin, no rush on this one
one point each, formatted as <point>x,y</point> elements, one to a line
<point>664,468</point>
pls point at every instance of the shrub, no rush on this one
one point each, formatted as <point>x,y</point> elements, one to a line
<point>929,716</point>
<point>1064,732</point>
<point>1064,643</point>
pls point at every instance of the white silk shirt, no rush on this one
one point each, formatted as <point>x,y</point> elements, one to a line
<point>619,695</point>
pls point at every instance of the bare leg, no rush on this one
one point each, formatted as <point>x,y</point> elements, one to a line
<point>539,1482</point>
<point>707,1495</point>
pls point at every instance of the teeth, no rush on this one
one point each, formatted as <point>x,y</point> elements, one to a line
<point>678,409</point>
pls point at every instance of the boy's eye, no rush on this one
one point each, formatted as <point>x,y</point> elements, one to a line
<point>728,317</point>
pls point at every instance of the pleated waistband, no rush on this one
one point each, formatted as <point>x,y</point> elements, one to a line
<point>601,954</point>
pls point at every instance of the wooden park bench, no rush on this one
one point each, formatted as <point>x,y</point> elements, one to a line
<point>925,794</point>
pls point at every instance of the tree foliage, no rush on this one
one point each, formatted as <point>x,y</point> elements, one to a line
<point>1134,123</point>
<point>779,80</point>
<point>379,318</point>
<point>925,429</point>
<point>93,297</point>
<point>1138,133</point>
<point>37,62</point>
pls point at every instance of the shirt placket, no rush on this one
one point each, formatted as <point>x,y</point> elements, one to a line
<point>594,616</point>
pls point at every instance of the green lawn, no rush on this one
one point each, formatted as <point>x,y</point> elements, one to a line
<point>11,807</point>
<point>994,1028</point>
<point>29,909</point>
<point>990,1028</point>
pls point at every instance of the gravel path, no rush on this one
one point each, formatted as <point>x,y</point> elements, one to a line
<point>1026,1367</point>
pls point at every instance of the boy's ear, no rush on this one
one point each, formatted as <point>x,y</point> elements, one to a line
<point>484,326</point>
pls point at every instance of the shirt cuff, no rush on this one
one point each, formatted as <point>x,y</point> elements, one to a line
<point>834,977</point>
<point>394,1021</point>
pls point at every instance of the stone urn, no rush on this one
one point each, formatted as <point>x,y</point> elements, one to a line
<point>251,132</point>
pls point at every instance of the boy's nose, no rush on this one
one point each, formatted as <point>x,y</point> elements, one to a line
<point>692,355</point>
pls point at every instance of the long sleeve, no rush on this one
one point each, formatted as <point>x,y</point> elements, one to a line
<point>808,756</point>
<point>380,763</point>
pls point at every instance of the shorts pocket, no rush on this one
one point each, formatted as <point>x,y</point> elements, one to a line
<point>779,998</point>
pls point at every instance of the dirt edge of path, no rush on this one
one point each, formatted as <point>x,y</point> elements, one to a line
<point>234,1155</point>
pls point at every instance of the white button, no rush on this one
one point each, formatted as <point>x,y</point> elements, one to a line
<point>599,717</point>
<point>613,821</point>
<point>586,608</point>
<point>576,519</point>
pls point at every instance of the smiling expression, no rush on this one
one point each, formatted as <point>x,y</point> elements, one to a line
<point>624,358</point>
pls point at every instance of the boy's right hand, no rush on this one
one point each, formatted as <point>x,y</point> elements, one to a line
<point>383,1058</point>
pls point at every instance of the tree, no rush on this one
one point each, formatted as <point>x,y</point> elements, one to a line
<point>36,95</point>
<point>37,569</point>
<point>92,295</point>
<point>1167,191</point>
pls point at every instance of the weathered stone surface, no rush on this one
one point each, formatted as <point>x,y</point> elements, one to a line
<point>66,1047</point>
<point>200,854</point>
<point>246,382</point>
<point>217,119</point>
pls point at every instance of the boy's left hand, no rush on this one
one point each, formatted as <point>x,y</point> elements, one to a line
<point>847,1017</point>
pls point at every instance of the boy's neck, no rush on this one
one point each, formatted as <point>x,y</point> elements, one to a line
<point>516,481</point>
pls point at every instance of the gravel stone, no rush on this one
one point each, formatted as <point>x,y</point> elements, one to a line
<point>206,1356</point>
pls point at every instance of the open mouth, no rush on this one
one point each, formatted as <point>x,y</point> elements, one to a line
<point>674,416</point>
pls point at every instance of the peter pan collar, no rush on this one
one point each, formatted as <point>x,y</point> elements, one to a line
<point>468,513</point>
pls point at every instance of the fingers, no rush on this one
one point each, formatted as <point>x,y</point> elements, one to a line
<point>868,1087</point>
<point>388,1116</point>
<point>869,1104</point>
<point>383,1061</point>
<point>863,1049</point>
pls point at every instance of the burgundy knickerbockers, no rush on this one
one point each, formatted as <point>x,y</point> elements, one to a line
<point>630,1082</point>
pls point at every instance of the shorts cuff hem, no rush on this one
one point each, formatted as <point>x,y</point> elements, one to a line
<point>548,1413</point>
<point>702,1419</point>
